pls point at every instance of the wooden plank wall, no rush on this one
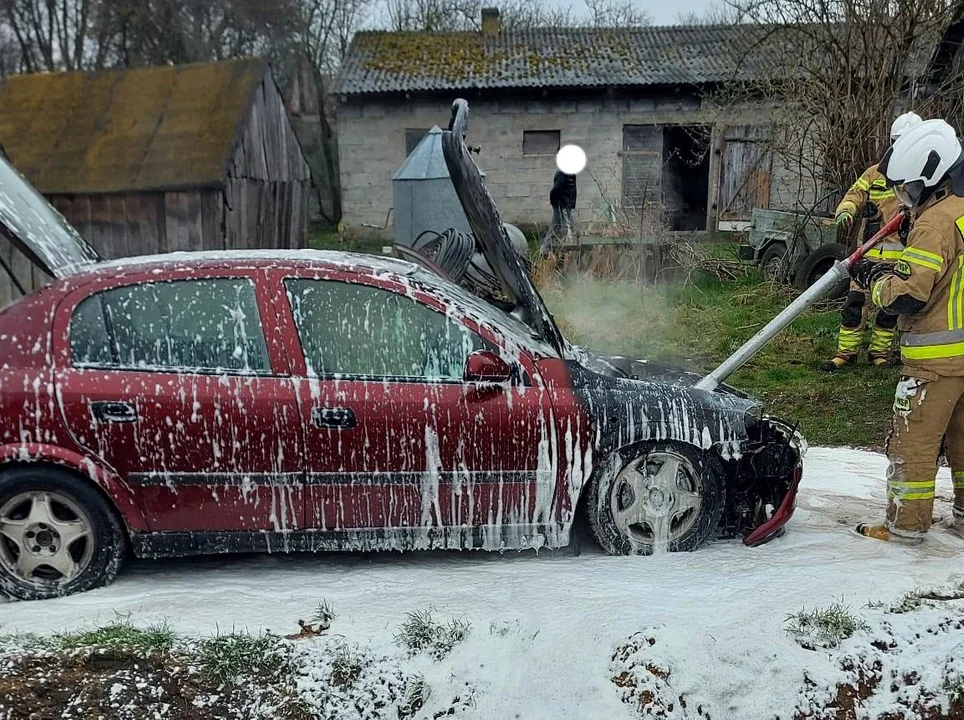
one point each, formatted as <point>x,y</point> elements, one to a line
<point>146,223</point>
<point>262,214</point>
<point>264,204</point>
<point>269,182</point>
<point>27,275</point>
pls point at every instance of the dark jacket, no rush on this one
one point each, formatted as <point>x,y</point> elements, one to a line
<point>563,193</point>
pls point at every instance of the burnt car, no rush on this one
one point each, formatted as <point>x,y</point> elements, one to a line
<point>303,401</point>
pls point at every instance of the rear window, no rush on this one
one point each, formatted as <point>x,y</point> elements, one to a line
<point>206,325</point>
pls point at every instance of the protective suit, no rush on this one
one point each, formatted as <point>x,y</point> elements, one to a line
<point>870,191</point>
<point>870,196</point>
<point>925,289</point>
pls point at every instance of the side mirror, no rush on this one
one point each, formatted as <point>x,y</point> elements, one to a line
<point>486,366</point>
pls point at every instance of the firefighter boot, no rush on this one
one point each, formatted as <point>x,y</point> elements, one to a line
<point>957,519</point>
<point>957,522</point>
<point>881,347</point>
<point>881,532</point>
<point>848,344</point>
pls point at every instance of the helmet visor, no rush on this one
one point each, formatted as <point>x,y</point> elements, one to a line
<point>910,193</point>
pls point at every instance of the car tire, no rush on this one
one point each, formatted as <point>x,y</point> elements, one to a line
<point>817,263</point>
<point>69,516</point>
<point>772,262</point>
<point>629,473</point>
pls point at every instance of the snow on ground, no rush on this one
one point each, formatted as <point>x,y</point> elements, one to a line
<point>544,628</point>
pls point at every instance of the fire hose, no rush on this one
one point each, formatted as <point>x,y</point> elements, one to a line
<point>818,291</point>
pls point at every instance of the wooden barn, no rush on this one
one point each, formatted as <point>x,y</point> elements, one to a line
<point>190,157</point>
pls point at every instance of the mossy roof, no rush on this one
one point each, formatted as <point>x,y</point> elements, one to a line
<point>127,130</point>
<point>391,62</point>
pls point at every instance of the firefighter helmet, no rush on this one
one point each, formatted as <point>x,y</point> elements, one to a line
<point>922,154</point>
<point>904,123</point>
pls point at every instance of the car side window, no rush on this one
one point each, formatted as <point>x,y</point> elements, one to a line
<point>361,331</point>
<point>211,325</point>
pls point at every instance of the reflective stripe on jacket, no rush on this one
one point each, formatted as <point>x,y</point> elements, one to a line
<point>870,187</point>
<point>931,269</point>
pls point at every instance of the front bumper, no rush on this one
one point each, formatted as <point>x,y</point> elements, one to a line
<point>775,525</point>
<point>745,252</point>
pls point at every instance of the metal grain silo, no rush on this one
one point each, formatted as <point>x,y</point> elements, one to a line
<point>424,196</point>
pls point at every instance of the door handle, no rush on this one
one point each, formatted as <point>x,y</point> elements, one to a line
<point>333,417</point>
<point>113,411</point>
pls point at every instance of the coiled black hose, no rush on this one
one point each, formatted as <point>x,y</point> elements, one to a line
<point>457,253</point>
<point>450,249</point>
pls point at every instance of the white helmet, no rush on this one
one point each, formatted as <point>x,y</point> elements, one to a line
<point>904,123</point>
<point>922,157</point>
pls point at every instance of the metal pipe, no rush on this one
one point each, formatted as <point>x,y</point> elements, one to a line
<point>816,292</point>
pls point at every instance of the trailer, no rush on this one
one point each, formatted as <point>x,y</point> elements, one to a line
<point>794,248</point>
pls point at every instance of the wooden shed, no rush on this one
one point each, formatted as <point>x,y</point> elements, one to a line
<point>190,157</point>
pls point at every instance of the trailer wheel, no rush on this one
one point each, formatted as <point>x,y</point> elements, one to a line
<point>773,262</point>
<point>819,262</point>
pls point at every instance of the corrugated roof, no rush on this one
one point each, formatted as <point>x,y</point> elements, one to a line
<point>126,130</point>
<point>380,62</point>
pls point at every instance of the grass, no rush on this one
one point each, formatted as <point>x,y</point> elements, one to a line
<point>421,632</point>
<point>320,238</point>
<point>346,667</point>
<point>323,614</point>
<point>226,657</point>
<point>699,323</point>
<point>918,598</point>
<point>119,635</point>
<point>824,628</point>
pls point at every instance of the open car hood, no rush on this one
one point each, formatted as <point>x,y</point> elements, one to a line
<point>37,230</point>
<point>487,226</point>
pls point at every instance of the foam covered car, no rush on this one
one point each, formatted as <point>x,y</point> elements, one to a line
<point>319,401</point>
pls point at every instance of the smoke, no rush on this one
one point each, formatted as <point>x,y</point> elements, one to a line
<point>614,316</point>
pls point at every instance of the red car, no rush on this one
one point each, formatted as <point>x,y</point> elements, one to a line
<point>206,403</point>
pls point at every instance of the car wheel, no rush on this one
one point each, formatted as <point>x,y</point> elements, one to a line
<point>818,263</point>
<point>658,495</point>
<point>58,535</point>
<point>772,262</point>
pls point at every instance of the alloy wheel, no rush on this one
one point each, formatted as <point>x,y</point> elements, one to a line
<point>45,538</point>
<point>655,499</point>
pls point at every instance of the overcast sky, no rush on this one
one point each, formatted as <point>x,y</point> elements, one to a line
<point>663,12</point>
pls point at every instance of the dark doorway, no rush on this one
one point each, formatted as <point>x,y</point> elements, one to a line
<point>685,176</point>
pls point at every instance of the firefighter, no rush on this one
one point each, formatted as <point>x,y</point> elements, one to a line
<point>869,196</point>
<point>925,289</point>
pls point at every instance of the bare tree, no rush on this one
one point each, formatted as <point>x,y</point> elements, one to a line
<point>326,27</point>
<point>455,15</point>
<point>616,13</point>
<point>834,73</point>
<point>52,34</point>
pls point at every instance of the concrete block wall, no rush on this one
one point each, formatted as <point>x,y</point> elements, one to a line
<point>371,146</point>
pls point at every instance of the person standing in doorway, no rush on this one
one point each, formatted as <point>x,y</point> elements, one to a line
<point>562,199</point>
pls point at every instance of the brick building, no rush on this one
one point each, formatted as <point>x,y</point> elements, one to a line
<point>638,100</point>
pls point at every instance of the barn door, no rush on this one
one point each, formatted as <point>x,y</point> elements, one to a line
<point>642,171</point>
<point>746,172</point>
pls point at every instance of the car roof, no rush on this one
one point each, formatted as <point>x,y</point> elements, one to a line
<point>311,259</point>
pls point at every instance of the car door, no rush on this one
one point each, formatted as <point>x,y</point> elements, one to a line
<point>396,441</point>
<point>173,385</point>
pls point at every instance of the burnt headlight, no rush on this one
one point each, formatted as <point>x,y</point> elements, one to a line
<point>752,418</point>
<point>793,436</point>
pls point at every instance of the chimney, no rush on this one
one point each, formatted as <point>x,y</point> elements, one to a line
<point>491,22</point>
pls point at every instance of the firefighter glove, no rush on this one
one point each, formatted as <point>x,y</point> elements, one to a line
<point>904,230</point>
<point>845,220</point>
<point>865,273</point>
